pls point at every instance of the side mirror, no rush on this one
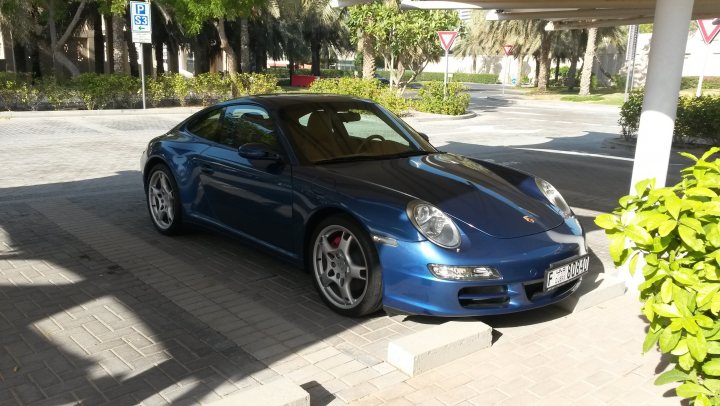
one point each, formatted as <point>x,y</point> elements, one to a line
<point>258,151</point>
<point>425,137</point>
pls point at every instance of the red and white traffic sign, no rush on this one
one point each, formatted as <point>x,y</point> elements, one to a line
<point>708,30</point>
<point>508,49</point>
<point>447,38</point>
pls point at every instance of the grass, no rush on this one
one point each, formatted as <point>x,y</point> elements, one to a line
<point>599,96</point>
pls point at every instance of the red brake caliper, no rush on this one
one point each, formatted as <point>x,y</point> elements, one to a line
<point>336,241</point>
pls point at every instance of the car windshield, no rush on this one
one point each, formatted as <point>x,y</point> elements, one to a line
<point>339,132</point>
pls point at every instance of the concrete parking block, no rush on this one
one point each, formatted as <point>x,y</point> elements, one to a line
<point>281,392</point>
<point>438,345</point>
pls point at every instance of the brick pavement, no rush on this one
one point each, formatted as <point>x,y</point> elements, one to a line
<point>95,306</point>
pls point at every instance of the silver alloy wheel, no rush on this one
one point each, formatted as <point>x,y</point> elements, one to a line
<point>161,199</point>
<point>340,266</point>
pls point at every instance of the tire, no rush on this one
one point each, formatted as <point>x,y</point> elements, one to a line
<point>345,267</point>
<point>163,200</point>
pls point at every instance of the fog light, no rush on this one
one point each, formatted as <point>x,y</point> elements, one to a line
<point>464,272</point>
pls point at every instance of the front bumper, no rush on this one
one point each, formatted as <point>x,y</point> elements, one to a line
<point>410,288</point>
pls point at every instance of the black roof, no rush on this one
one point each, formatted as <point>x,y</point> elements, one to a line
<point>279,100</point>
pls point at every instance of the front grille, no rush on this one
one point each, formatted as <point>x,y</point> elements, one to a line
<point>479,297</point>
<point>534,290</point>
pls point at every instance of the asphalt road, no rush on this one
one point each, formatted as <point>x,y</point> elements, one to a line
<point>575,146</point>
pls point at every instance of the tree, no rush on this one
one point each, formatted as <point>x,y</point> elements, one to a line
<point>406,39</point>
<point>194,14</point>
<point>612,35</point>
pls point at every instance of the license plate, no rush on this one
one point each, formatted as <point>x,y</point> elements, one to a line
<point>567,272</point>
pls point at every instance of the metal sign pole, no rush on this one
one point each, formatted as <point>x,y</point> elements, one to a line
<point>447,68</point>
<point>698,93</point>
<point>142,72</point>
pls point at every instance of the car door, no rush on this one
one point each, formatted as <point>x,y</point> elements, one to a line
<point>251,196</point>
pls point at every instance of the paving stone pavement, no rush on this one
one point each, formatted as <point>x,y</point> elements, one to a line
<point>96,307</point>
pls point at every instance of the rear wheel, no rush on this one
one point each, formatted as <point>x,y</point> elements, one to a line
<point>345,267</point>
<point>163,200</point>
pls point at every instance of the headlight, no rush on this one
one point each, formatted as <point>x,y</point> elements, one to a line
<point>435,225</point>
<point>464,272</point>
<point>553,196</point>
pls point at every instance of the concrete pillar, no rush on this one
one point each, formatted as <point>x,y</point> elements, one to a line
<point>667,54</point>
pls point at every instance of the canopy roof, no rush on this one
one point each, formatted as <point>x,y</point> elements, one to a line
<point>564,14</point>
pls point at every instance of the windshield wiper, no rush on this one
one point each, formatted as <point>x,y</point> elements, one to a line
<point>406,154</point>
<point>354,158</point>
<point>349,158</point>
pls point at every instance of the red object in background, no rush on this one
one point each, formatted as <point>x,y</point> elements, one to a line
<point>447,38</point>
<point>508,49</point>
<point>302,80</point>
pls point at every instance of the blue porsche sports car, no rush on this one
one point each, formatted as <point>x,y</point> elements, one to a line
<point>377,215</point>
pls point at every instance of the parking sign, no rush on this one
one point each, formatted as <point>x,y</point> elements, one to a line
<point>140,21</point>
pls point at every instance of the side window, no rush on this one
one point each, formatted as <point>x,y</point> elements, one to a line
<point>245,124</point>
<point>207,126</point>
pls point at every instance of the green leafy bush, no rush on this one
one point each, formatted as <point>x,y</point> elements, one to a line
<point>630,115</point>
<point>432,99</point>
<point>365,88</point>
<point>210,88</point>
<point>107,91</point>
<point>484,78</point>
<point>243,84</point>
<point>696,117</point>
<point>675,232</point>
<point>160,89</point>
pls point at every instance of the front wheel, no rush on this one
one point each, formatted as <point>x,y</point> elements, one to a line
<point>345,267</point>
<point>163,200</point>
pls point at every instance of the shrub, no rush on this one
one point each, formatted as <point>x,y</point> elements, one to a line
<point>675,232</point>
<point>365,88</point>
<point>243,84</point>
<point>630,115</point>
<point>107,91</point>
<point>210,88</point>
<point>696,117</point>
<point>57,95</point>
<point>484,78</point>
<point>161,88</point>
<point>431,98</point>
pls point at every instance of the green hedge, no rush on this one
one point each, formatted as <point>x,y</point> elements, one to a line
<point>484,78</point>
<point>430,98</point>
<point>93,91</point>
<point>697,117</point>
<point>366,88</point>
<point>709,82</point>
<point>324,73</point>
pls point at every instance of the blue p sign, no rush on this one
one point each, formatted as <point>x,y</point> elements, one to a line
<point>140,9</point>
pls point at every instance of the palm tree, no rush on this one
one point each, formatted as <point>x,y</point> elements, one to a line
<point>611,35</point>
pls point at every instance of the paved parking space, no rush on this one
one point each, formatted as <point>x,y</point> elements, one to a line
<point>96,307</point>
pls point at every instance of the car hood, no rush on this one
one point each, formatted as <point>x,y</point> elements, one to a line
<point>485,196</point>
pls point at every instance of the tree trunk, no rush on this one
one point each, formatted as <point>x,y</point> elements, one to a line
<point>147,59</point>
<point>544,59</point>
<point>557,69</point>
<point>226,47</point>
<point>570,81</point>
<point>99,43</point>
<point>291,66</point>
<point>173,59</point>
<point>521,62</point>
<point>586,78</point>
<point>368,57</point>
<point>110,44</point>
<point>315,52</point>
<point>56,44</point>
<point>119,49</point>
<point>537,69</point>
<point>244,45</point>
<point>159,61</point>
<point>132,54</point>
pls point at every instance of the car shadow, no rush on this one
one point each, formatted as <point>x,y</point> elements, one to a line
<point>59,293</point>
